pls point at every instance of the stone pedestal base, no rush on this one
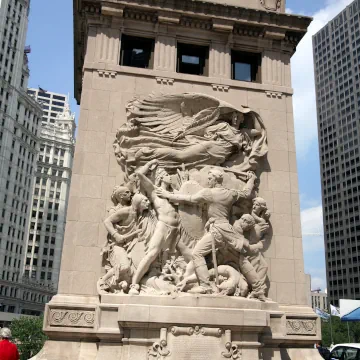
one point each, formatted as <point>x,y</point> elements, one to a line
<point>182,328</point>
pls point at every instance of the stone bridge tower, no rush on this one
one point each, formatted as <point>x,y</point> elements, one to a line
<point>238,52</point>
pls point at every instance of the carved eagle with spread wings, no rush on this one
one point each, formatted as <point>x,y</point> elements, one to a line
<point>188,128</point>
<point>179,114</point>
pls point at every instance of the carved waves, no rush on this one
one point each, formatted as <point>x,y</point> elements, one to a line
<point>300,327</point>
<point>71,318</point>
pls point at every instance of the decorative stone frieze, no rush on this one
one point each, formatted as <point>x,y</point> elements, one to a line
<point>71,318</point>
<point>300,327</point>
<point>203,24</point>
<point>136,14</point>
<point>248,31</point>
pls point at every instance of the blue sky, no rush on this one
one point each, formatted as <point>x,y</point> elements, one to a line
<point>51,65</point>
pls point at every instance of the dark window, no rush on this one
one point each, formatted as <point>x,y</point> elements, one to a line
<point>245,66</point>
<point>192,59</point>
<point>137,52</point>
<point>43,94</point>
<point>57,103</point>
<point>57,97</point>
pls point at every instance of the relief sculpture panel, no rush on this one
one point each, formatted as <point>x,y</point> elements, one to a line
<point>188,218</point>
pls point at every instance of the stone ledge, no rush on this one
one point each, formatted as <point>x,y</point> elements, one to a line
<point>149,315</point>
<point>186,300</point>
<point>226,84</point>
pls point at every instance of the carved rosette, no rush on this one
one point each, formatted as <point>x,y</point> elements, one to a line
<point>71,318</point>
<point>300,327</point>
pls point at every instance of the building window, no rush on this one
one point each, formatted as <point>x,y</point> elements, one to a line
<point>192,59</point>
<point>44,94</point>
<point>245,66</point>
<point>137,52</point>
<point>57,97</point>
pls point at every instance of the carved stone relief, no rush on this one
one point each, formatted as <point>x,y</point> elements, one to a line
<point>71,318</point>
<point>272,5</point>
<point>159,350</point>
<point>188,218</point>
<point>195,342</point>
<point>300,327</point>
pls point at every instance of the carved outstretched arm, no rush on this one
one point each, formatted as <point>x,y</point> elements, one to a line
<point>246,192</point>
<point>146,184</point>
<point>197,198</point>
<point>144,180</point>
<point>147,167</point>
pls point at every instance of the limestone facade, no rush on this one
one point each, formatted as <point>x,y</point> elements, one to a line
<point>107,88</point>
<point>103,89</point>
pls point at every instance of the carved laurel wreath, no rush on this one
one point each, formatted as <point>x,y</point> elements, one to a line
<point>271,4</point>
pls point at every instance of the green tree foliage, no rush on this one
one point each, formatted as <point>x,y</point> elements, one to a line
<point>339,331</point>
<point>28,335</point>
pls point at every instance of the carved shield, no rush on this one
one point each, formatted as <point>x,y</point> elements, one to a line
<point>193,217</point>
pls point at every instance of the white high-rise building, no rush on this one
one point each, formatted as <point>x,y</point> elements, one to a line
<point>50,195</point>
<point>53,103</point>
<point>20,121</point>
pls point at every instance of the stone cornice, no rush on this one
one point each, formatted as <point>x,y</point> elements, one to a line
<point>216,12</point>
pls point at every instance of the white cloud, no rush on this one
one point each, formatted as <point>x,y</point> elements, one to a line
<point>303,78</point>
<point>312,229</point>
<point>318,283</point>
<point>313,244</point>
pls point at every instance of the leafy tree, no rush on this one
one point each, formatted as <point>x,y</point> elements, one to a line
<point>28,335</point>
<point>339,331</point>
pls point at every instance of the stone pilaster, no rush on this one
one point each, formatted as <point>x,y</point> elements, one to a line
<point>275,68</point>
<point>107,48</point>
<point>165,53</point>
<point>220,60</point>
